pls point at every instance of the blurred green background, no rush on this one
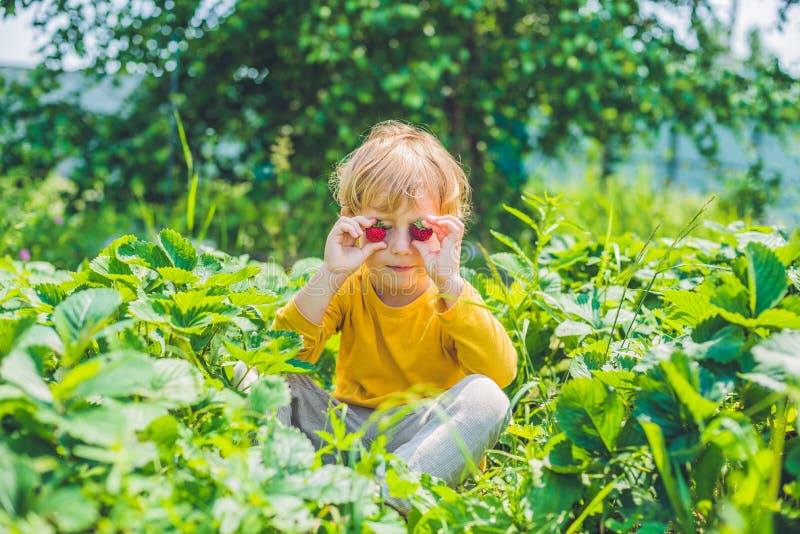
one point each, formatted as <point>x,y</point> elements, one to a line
<point>635,120</point>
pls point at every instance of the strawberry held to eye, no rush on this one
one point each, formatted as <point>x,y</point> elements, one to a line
<point>419,232</point>
<point>376,232</point>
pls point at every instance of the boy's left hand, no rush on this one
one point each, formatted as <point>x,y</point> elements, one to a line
<point>443,265</point>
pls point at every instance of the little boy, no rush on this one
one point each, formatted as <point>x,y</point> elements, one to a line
<point>406,316</point>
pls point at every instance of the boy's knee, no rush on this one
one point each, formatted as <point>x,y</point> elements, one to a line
<point>487,398</point>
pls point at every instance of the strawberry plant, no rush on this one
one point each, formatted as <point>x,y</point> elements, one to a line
<point>118,406</point>
<point>657,391</point>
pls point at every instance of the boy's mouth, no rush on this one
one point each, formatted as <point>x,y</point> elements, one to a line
<point>401,268</point>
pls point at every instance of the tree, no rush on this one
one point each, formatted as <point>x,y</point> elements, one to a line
<point>495,79</point>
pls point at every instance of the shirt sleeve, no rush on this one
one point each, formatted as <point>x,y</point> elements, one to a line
<point>480,343</point>
<point>314,336</point>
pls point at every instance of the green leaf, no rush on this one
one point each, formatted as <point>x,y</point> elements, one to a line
<point>304,268</point>
<point>513,245</point>
<point>563,456</point>
<point>778,318</point>
<point>177,276</point>
<point>119,374</point>
<point>679,376</point>
<point>336,484</point>
<point>207,265</point>
<point>554,493</point>
<point>513,265</point>
<point>269,393</point>
<point>570,328</point>
<point>706,329</point>
<point>707,470</point>
<point>585,306</point>
<point>69,509</point>
<point>19,482</point>
<point>142,253</point>
<point>272,277</point>
<point>590,414</point>
<point>162,431</point>
<point>731,297</point>
<point>112,268</point>
<point>50,293</point>
<point>522,216</point>
<point>20,369</point>
<point>661,458</point>
<point>274,355</point>
<point>790,252</point>
<point>723,346</point>
<point>791,303</point>
<point>252,297</point>
<point>773,318</point>
<point>82,315</point>
<point>288,449</point>
<point>140,414</point>
<point>733,433</point>
<point>623,382</point>
<point>689,306</point>
<point>767,281</point>
<point>101,426</point>
<point>228,279</point>
<point>176,382</point>
<point>179,250</point>
<point>21,334</point>
<point>794,276</point>
<point>192,311</point>
<point>778,358</point>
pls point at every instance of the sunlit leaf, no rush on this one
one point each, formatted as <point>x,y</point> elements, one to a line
<point>288,449</point>
<point>767,282</point>
<point>20,369</point>
<point>690,306</point>
<point>590,414</point>
<point>142,253</point>
<point>176,382</point>
<point>777,361</point>
<point>179,250</point>
<point>69,509</point>
<point>269,393</point>
<point>112,375</point>
<point>83,314</point>
<point>177,276</point>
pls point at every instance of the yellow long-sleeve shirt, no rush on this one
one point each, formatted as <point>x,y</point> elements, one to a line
<point>385,350</point>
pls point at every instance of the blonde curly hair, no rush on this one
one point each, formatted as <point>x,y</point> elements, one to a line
<point>396,165</point>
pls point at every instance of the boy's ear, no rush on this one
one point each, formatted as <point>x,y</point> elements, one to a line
<point>345,212</point>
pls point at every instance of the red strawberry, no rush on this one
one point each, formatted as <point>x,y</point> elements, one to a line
<point>376,232</point>
<point>419,232</point>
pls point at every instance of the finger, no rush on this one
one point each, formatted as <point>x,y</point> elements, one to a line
<point>453,224</point>
<point>452,218</point>
<point>350,227</point>
<point>364,222</point>
<point>438,229</point>
<point>453,238</point>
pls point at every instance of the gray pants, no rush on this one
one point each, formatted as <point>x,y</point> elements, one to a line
<point>443,437</point>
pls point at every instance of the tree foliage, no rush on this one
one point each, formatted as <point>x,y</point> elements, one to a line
<point>274,93</point>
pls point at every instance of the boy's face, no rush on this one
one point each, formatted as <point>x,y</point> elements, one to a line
<point>398,269</point>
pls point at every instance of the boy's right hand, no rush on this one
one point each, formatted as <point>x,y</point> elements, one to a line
<point>343,256</point>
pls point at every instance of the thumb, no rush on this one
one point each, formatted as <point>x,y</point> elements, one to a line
<point>423,249</point>
<point>372,248</point>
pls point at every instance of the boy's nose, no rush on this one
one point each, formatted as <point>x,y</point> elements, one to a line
<point>401,243</point>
